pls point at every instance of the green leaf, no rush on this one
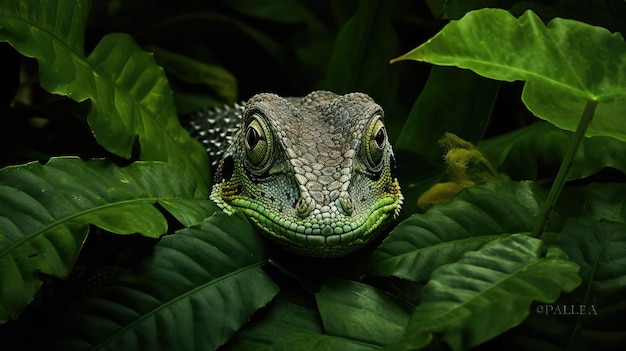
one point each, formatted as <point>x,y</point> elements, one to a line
<point>565,64</point>
<point>310,43</point>
<point>198,288</point>
<point>211,26</point>
<point>455,101</point>
<point>490,290</point>
<point>359,61</point>
<point>356,311</point>
<point>537,150</point>
<point>455,9</point>
<point>196,72</point>
<point>477,215</point>
<point>45,212</point>
<point>130,95</point>
<point>291,323</point>
<point>599,248</point>
<point>601,201</point>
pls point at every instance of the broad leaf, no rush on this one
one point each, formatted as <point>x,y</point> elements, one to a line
<point>130,95</point>
<point>477,215</point>
<point>198,288</point>
<point>357,311</point>
<point>489,291</point>
<point>291,324</point>
<point>537,150</point>
<point>591,316</point>
<point>45,212</point>
<point>565,64</point>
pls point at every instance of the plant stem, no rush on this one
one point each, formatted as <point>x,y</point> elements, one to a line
<point>566,164</point>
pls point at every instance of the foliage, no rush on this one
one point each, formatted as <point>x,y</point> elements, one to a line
<point>496,266</point>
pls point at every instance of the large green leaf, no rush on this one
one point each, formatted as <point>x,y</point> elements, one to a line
<point>130,95</point>
<point>477,215</point>
<point>591,316</point>
<point>357,311</point>
<point>565,64</point>
<point>45,212</point>
<point>292,323</point>
<point>198,288</point>
<point>537,150</point>
<point>489,291</point>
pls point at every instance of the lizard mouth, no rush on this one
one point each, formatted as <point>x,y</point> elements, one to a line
<point>334,238</point>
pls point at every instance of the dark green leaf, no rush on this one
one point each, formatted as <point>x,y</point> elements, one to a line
<point>131,98</point>
<point>477,215</point>
<point>601,201</point>
<point>599,247</point>
<point>290,11</point>
<point>565,64</point>
<point>360,312</point>
<point>360,57</point>
<point>290,324</point>
<point>198,288</point>
<point>45,212</point>
<point>222,82</point>
<point>312,43</point>
<point>489,291</point>
<point>537,150</point>
<point>455,101</point>
<point>210,25</point>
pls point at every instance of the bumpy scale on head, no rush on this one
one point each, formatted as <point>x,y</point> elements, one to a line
<point>314,174</point>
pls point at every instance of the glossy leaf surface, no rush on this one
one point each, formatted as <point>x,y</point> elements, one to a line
<point>45,212</point>
<point>198,288</point>
<point>478,215</point>
<point>489,291</point>
<point>130,95</point>
<point>559,78</point>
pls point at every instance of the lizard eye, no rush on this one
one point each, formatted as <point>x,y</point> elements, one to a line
<point>375,141</point>
<point>258,145</point>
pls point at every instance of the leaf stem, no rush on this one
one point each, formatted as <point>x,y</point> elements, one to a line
<point>566,165</point>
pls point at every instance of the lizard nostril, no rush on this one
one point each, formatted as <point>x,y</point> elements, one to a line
<point>304,206</point>
<point>346,204</point>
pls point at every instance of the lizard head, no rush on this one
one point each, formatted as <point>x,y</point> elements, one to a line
<point>315,174</point>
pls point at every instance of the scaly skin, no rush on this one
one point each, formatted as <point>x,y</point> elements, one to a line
<point>315,174</point>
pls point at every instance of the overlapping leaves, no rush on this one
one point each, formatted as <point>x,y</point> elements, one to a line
<point>46,210</point>
<point>352,316</point>
<point>565,64</point>
<point>535,152</point>
<point>198,288</point>
<point>130,95</point>
<point>466,301</point>
<point>423,242</point>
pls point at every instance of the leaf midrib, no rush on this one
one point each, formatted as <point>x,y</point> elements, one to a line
<point>174,300</point>
<point>100,75</point>
<point>523,73</point>
<point>64,220</point>
<point>492,287</point>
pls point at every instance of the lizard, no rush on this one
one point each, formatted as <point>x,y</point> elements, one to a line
<point>315,174</point>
